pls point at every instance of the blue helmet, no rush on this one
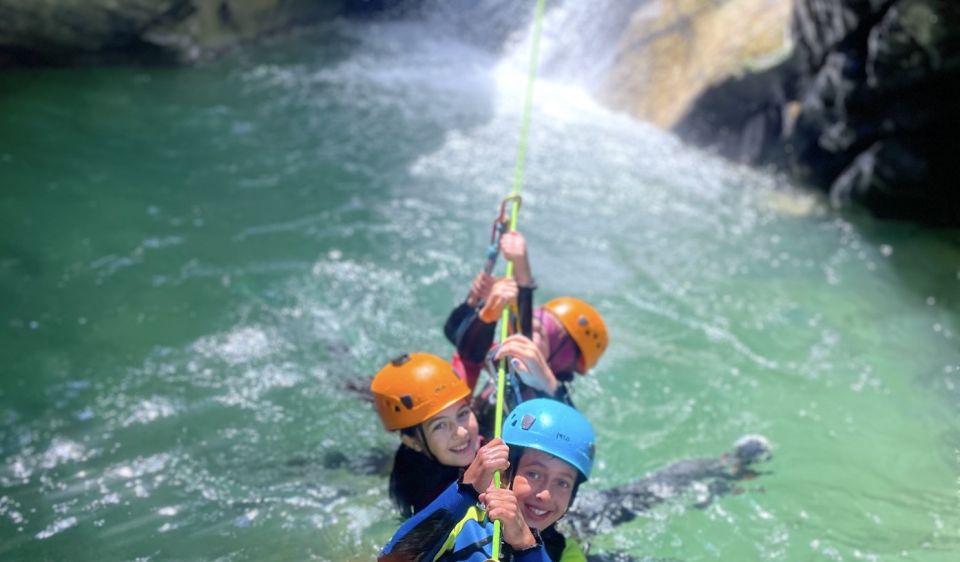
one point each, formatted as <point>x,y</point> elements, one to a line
<point>554,428</point>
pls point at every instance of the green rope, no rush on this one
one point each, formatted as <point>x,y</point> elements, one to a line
<point>517,182</point>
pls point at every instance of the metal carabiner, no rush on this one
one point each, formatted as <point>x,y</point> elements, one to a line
<point>499,227</point>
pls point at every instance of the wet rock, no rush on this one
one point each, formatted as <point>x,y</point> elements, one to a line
<point>673,51</point>
<point>865,108</point>
<point>598,511</point>
<point>41,32</point>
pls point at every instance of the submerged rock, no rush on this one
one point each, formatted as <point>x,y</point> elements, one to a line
<point>598,511</point>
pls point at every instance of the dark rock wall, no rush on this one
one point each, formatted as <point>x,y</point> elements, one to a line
<point>55,32</point>
<point>867,108</point>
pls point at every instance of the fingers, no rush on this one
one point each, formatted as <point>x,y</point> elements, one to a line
<point>505,288</point>
<point>528,362</point>
<point>504,291</point>
<point>502,505</point>
<point>518,346</point>
<point>494,455</point>
<point>479,288</point>
<point>513,246</point>
<point>490,458</point>
<point>485,280</point>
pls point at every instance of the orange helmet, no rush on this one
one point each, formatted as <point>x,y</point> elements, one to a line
<point>413,388</point>
<point>585,326</point>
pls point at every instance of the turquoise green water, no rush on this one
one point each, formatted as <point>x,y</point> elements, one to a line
<point>195,260</point>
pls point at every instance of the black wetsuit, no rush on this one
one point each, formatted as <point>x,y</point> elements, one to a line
<point>473,339</point>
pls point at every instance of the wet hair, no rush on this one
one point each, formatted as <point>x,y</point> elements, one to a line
<point>416,479</point>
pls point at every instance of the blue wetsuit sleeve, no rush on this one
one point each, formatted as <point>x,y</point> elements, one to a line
<point>455,500</point>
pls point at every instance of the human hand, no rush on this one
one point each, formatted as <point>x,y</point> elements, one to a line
<point>514,248</point>
<point>490,458</point>
<point>502,506</point>
<point>480,288</point>
<point>528,362</point>
<point>504,292</point>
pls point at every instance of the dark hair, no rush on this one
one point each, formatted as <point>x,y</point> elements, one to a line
<point>417,480</point>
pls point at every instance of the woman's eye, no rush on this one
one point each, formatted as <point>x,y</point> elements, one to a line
<point>463,414</point>
<point>532,475</point>
<point>440,426</point>
<point>564,484</point>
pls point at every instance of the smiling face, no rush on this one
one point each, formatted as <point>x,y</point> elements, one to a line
<point>453,436</point>
<point>543,485</point>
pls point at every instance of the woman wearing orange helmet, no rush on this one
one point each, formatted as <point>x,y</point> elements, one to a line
<point>420,396</point>
<point>568,332</point>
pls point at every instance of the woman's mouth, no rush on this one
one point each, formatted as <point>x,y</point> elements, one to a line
<point>460,449</point>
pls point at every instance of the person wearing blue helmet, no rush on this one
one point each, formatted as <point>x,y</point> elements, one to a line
<point>546,452</point>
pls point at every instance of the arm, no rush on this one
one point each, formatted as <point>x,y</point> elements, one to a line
<point>447,509</point>
<point>514,248</point>
<point>473,338</point>
<point>463,327</point>
<point>469,334</point>
<point>529,363</point>
<point>525,310</point>
<point>503,506</point>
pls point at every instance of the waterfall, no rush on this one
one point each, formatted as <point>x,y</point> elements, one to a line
<point>579,43</point>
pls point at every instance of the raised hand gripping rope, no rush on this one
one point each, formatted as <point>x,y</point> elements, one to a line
<point>517,182</point>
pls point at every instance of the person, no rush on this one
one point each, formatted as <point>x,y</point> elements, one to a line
<point>547,452</point>
<point>420,396</point>
<point>471,326</point>
<point>568,332</point>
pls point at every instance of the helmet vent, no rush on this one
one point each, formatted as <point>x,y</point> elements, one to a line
<point>527,421</point>
<point>400,360</point>
<point>407,401</point>
<point>582,320</point>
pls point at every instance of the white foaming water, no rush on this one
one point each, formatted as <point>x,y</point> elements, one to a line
<point>579,41</point>
<point>243,345</point>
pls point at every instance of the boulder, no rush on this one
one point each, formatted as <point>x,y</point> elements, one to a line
<point>675,49</point>
<point>82,31</point>
<point>865,108</point>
